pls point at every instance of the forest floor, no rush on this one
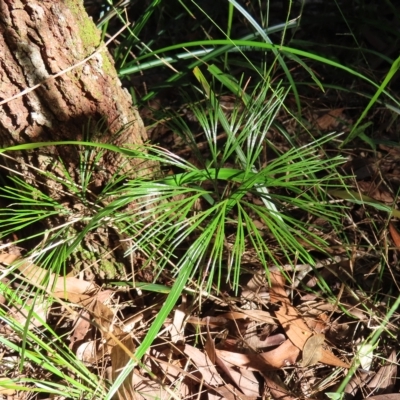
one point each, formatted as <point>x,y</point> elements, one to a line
<point>282,328</point>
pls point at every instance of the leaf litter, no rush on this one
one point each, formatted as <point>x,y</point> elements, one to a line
<point>256,341</point>
<point>275,333</point>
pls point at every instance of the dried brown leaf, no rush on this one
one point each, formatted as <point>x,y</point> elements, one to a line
<point>358,381</point>
<point>284,355</point>
<point>253,362</point>
<point>228,392</point>
<point>329,358</point>
<point>277,387</point>
<point>312,351</point>
<point>103,316</point>
<point>4,391</point>
<point>385,378</point>
<point>246,381</point>
<point>72,289</point>
<point>204,365</point>
<point>145,389</point>
<point>120,356</point>
<point>214,322</point>
<point>88,352</point>
<point>377,191</point>
<point>209,346</point>
<point>330,120</point>
<point>295,327</point>
<point>256,315</point>
<point>395,235</point>
<point>81,328</point>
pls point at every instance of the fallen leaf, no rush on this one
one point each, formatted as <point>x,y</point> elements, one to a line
<point>357,383</point>
<point>277,387</point>
<point>329,358</point>
<point>222,392</point>
<point>214,322</point>
<point>70,288</point>
<point>120,357</point>
<point>81,328</point>
<point>204,365</point>
<point>395,235</point>
<point>386,377</point>
<point>284,355</point>
<point>295,327</point>
<point>88,352</point>
<point>312,351</point>
<point>4,390</point>
<point>330,120</point>
<point>376,190</point>
<point>256,315</point>
<point>244,379</point>
<point>177,329</point>
<point>365,353</point>
<point>228,392</point>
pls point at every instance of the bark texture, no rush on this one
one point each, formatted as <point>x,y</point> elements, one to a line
<point>40,38</point>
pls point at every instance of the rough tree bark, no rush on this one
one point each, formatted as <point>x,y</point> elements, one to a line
<point>39,39</point>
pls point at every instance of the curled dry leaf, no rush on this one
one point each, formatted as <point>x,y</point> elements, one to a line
<point>243,379</point>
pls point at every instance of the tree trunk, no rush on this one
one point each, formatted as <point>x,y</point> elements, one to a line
<point>45,43</point>
<point>39,39</point>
